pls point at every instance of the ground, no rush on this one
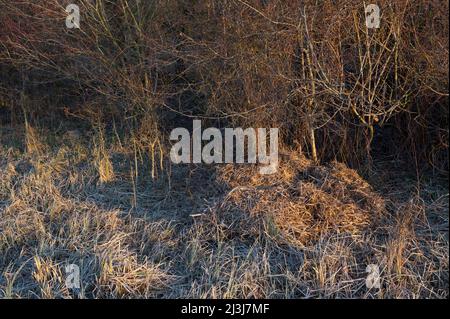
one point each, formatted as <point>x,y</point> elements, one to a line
<point>196,231</point>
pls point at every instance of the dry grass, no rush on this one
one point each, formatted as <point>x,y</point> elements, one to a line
<point>307,232</point>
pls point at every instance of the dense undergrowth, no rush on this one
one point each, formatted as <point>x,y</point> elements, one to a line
<point>85,176</point>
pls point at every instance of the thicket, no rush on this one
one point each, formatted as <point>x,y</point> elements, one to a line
<point>336,89</point>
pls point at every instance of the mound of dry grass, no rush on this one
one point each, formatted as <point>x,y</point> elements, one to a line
<point>304,201</point>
